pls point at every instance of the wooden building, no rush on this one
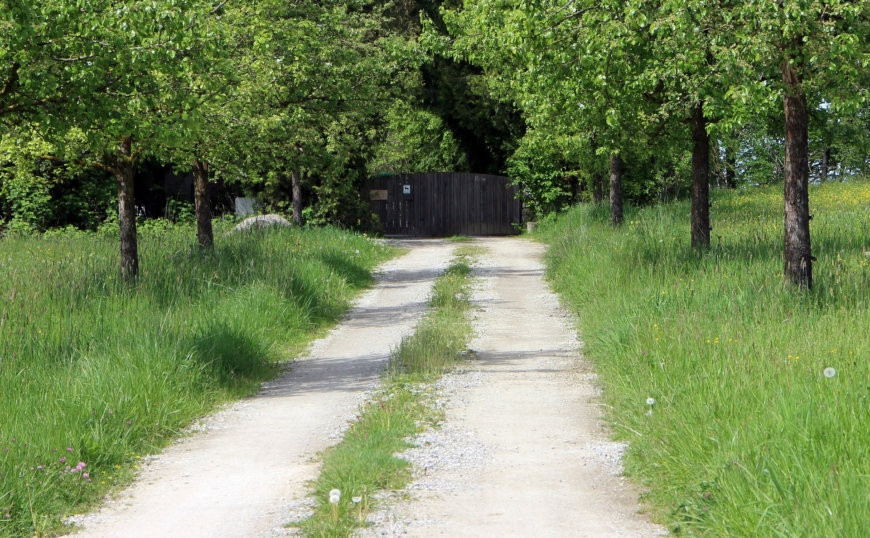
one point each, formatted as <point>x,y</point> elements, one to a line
<point>445,204</point>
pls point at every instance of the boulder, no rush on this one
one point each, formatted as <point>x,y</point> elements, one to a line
<point>261,221</point>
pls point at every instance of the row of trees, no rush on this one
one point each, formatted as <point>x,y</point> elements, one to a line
<point>632,93</point>
<point>658,86</point>
<point>266,90</point>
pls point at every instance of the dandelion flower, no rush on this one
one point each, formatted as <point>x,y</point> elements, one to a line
<point>334,496</point>
<point>830,372</point>
<point>355,500</point>
<point>650,401</point>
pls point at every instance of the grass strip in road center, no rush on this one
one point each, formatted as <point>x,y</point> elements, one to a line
<point>364,462</point>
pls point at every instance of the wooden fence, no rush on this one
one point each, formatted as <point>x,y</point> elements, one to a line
<point>444,204</point>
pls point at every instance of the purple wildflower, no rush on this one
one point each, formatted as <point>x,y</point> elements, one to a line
<point>62,460</point>
<point>69,449</point>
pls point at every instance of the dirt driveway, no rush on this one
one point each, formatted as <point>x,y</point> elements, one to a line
<point>240,476</point>
<point>521,453</point>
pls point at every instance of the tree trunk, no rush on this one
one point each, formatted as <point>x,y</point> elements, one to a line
<point>826,160</point>
<point>797,254</point>
<point>615,189</point>
<point>127,210</point>
<point>297,197</point>
<point>204,233</point>
<point>700,179</point>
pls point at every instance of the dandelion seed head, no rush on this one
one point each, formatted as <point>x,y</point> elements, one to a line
<point>355,500</point>
<point>830,372</point>
<point>650,401</point>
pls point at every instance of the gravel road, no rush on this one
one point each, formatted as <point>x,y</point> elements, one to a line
<point>245,468</point>
<point>522,451</point>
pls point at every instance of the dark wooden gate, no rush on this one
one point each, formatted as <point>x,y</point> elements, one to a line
<point>443,204</point>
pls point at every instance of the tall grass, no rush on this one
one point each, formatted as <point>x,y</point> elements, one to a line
<point>746,437</point>
<point>99,372</point>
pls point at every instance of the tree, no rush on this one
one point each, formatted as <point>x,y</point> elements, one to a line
<point>314,81</point>
<point>805,52</point>
<point>53,58</point>
<point>572,69</point>
<point>120,74</point>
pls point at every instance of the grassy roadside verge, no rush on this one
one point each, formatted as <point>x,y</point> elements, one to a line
<point>747,436</point>
<point>364,461</point>
<point>95,373</point>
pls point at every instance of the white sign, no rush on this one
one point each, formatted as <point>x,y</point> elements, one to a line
<point>246,206</point>
<point>406,189</point>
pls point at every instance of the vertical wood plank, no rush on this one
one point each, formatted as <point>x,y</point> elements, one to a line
<point>463,203</point>
<point>474,214</point>
<point>491,183</point>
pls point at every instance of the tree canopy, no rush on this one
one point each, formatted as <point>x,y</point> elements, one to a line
<point>298,103</point>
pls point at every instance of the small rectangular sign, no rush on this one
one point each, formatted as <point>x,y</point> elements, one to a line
<point>378,194</point>
<point>406,189</point>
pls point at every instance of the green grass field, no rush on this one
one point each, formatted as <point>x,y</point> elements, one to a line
<point>94,373</point>
<point>747,436</point>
